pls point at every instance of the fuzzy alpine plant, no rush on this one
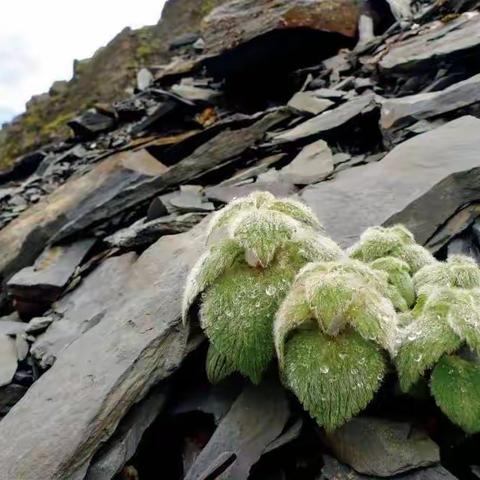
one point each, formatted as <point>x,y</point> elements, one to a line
<point>331,335</point>
<point>442,338</point>
<point>257,245</point>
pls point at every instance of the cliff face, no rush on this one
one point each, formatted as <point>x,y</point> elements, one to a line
<point>102,78</point>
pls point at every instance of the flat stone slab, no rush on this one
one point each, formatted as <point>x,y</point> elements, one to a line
<point>381,447</point>
<point>454,41</point>
<point>327,121</point>
<point>8,359</point>
<point>47,278</point>
<point>56,428</point>
<point>313,164</point>
<point>420,183</point>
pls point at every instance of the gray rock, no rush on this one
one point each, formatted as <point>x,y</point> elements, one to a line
<point>313,164</point>
<point>11,327</point>
<point>97,379</point>
<point>223,149</point>
<point>24,239</point>
<point>383,448</point>
<point>84,307</point>
<point>226,194</point>
<point>307,102</point>
<point>9,396</point>
<point>122,446</point>
<point>195,93</point>
<point>190,201</point>
<point>8,359</point>
<point>401,112</point>
<point>37,324</point>
<point>327,121</point>
<point>464,245</point>
<point>256,419</point>
<point>407,186</point>
<point>439,44</point>
<point>329,93</point>
<point>334,470</point>
<point>144,79</point>
<point>47,278</point>
<point>91,123</point>
<point>143,233</point>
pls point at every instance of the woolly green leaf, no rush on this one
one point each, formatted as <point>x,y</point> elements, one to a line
<point>218,367</point>
<point>416,256</point>
<point>261,234</point>
<point>238,311</point>
<point>209,267</point>
<point>334,378</point>
<point>455,385</point>
<point>464,271</point>
<point>432,276</point>
<point>315,247</point>
<point>399,277</point>
<point>425,341</point>
<point>296,210</point>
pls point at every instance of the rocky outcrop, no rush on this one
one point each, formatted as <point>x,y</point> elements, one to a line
<point>99,379</point>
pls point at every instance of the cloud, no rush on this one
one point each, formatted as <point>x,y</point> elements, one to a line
<point>40,39</point>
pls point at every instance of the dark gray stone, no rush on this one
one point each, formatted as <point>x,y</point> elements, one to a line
<point>383,448</point>
<point>8,359</point>
<point>91,123</point>
<point>327,121</point>
<point>82,309</point>
<point>307,102</point>
<point>438,44</point>
<point>257,417</point>
<point>143,233</point>
<point>313,164</point>
<point>47,278</point>
<point>334,470</point>
<point>417,184</point>
<point>401,112</point>
<point>97,379</point>
<point>124,442</point>
<point>9,396</point>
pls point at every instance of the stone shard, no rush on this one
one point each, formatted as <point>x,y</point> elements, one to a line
<point>454,42</point>
<point>8,359</point>
<point>23,239</point>
<point>239,21</point>
<point>334,470</point>
<point>257,417</point>
<point>327,121</point>
<point>420,183</point>
<point>307,102</point>
<point>384,448</point>
<point>81,399</point>
<point>84,307</point>
<point>401,112</point>
<point>46,279</point>
<point>313,164</point>
<point>91,123</point>
<point>123,444</point>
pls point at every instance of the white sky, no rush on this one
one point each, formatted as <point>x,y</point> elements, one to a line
<point>39,39</point>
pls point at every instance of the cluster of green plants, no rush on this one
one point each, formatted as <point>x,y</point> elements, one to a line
<point>273,285</point>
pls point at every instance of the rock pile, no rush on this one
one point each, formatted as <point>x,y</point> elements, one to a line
<point>98,377</point>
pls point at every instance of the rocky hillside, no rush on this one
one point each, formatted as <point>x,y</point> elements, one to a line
<point>368,112</point>
<point>104,78</point>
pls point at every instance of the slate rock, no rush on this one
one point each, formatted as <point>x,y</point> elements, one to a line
<point>239,21</point>
<point>9,396</point>
<point>381,447</point>
<point>327,121</point>
<point>313,164</point>
<point>256,418</point>
<point>8,359</point>
<point>144,79</point>
<point>91,123</point>
<point>22,167</point>
<point>409,185</point>
<point>99,377</point>
<point>307,102</point>
<point>441,43</point>
<point>401,112</point>
<point>47,278</point>
<point>82,309</point>
<point>223,149</point>
<point>24,239</point>
<point>195,93</point>
<point>225,194</point>
<point>334,470</point>
<point>143,233</point>
<point>464,245</point>
<point>122,446</point>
